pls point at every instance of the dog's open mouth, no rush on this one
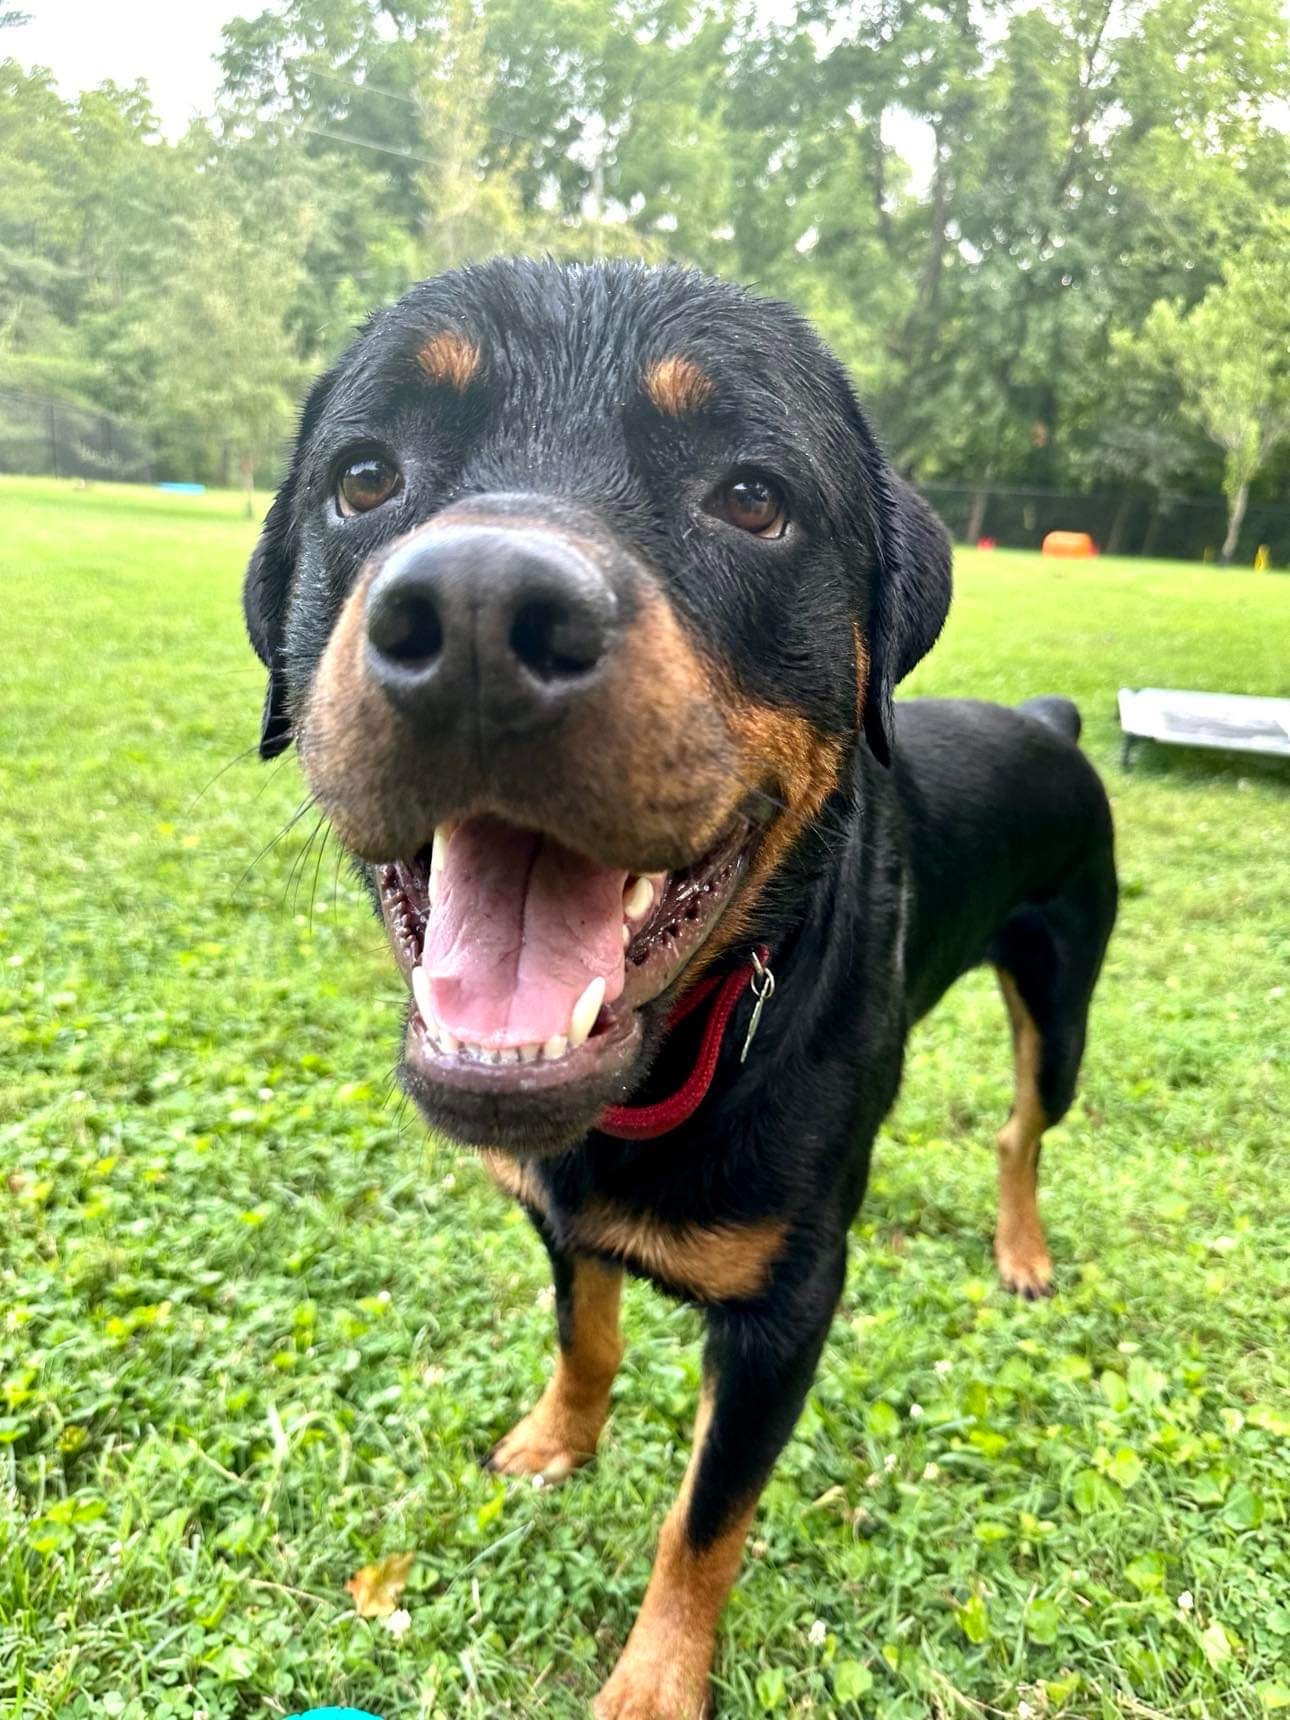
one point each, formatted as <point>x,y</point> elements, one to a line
<point>528,963</point>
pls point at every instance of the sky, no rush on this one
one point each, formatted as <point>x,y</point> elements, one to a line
<point>170,43</point>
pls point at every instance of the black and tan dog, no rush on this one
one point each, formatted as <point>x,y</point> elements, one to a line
<point>583,601</point>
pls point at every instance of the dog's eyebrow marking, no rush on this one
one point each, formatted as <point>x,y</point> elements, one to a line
<point>677,386</point>
<point>450,358</point>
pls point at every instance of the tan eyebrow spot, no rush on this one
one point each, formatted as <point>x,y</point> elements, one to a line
<point>676,385</point>
<point>450,358</point>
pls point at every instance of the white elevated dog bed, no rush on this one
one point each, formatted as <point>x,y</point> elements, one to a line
<point>1233,722</point>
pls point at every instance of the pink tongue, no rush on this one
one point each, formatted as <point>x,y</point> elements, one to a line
<point>518,929</point>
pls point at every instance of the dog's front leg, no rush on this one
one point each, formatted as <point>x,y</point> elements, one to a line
<point>757,1369</point>
<point>561,1430</point>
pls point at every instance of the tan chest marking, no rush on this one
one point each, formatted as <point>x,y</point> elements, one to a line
<point>712,1263</point>
<point>517,1179</point>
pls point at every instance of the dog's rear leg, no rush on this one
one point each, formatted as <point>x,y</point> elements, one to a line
<point>561,1430</point>
<point>1048,960</point>
<point>1019,1245</point>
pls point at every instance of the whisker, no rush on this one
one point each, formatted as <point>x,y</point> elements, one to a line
<point>222,771</point>
<point>313,894</point>
<point>273,841</point>
<point>295,877</point>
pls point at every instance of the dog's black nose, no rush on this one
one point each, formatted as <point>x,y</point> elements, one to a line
<point>503,624</point>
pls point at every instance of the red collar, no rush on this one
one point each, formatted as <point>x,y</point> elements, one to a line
<point>646,1122</point>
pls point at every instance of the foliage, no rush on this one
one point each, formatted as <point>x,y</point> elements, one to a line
<point>225,367</point>
<point>1231,356</point>
<point>258,1330</point>
<point>1087,159</point>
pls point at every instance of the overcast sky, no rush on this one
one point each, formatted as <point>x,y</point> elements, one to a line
<point>170,43</point>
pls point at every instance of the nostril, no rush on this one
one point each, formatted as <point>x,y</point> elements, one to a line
<point>405,627</point>
<point>552,643</point>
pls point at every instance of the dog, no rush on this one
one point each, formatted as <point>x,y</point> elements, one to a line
<point>583,601</point>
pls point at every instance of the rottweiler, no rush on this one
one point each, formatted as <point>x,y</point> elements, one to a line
<point>583,601</point>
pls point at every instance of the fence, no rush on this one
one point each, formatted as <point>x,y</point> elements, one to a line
<point>1185,528</point>
<point>40,435</point>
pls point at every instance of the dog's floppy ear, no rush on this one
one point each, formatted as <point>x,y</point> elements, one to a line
<point>267,585</point>
<point>264,603</point>
<point>909,595</point>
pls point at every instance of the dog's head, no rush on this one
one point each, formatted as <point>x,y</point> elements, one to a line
<point>580,588</point>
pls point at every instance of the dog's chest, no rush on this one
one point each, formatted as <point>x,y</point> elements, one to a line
<point>701,1262</point>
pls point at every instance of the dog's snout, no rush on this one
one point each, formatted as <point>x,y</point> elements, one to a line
<point>499,623</point>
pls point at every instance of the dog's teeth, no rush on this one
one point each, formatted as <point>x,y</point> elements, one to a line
<point>448,1042</point>
<point>555,1047</point>
<point>439,849</point>
<point>639,899</point>
<point>509,1054</point>
<point>488,1055</point>
<point>627,936</point>
<point>585,1012</point>
<point>530,1053</point>
<point>421,992</point>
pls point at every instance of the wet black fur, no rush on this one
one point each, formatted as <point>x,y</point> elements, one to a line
<point>962,833</point>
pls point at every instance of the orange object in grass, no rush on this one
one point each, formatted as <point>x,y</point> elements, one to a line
<point>1069,544</point>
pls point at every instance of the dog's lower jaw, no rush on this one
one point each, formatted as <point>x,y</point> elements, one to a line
<point>481,1109</point>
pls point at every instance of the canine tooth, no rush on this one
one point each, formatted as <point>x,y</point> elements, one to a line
<point>448,1042</point>
<point>530,1053</point>
<point>439,849</point>
<point>627,936</point>
<point>555,1047</point>
<point>585,1012</point>
<point>638,900</point>
<point>421,992</point>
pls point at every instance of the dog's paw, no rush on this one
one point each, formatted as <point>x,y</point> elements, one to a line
<point>655,1686</point>
<point>1028,1275</point>
<point>539,1445</point>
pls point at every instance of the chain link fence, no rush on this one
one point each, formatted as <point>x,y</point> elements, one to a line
<point>42,436</point>
<point>1177,528</point>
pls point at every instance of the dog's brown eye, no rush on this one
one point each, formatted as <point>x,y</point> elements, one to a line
<point>364,484</point>
<point>755,505</point>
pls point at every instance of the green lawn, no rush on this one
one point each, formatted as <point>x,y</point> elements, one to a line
<point>257,1330</point>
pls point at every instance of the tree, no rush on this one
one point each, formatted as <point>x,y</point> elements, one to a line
<point>466,211</point>
<point>227,374</point>
<point>1231,356</point>
<point>1085,160</point>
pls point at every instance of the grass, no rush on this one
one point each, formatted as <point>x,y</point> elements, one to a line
<point>256,1330</point>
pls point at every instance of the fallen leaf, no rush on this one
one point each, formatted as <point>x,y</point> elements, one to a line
<point>376,1588</point>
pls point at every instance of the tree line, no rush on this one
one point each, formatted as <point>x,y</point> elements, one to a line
<point>1088,287</point>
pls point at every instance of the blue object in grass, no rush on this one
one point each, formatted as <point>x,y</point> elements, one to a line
<point>335,1714</point>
